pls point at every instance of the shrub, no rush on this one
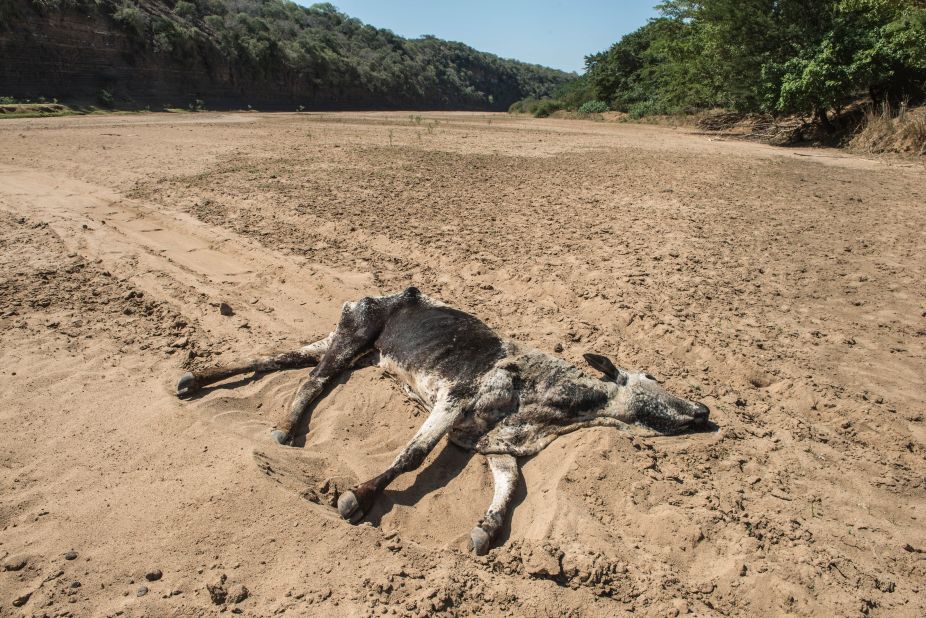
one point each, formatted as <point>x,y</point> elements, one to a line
<point>524,106</point>
<point>105,98</point>
<point>185,9</point>
<point>546,107</point>
<point>594,107</point>
<point>132,18</point>
<point>538,108</point>
<point>651,108</point>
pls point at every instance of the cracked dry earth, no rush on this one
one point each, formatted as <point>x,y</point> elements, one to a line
<point>783,287</point>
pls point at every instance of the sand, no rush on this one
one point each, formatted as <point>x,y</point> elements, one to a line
<point>783,287</point>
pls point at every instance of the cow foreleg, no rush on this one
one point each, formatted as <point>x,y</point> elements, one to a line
<point>358,327</point>
<point>306,356</point>
<point>355,503</point>
<point>505,477</point>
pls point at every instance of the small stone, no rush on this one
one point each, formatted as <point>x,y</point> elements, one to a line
<point>142,591</point>
<point>21,600</point>
<point>75,584</point>
<point>225,309</point>
<point>71,555</point>
<point>558,348</point>
<point>153,575</point>
<point>743,570</point>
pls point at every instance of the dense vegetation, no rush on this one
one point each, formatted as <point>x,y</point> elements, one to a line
<point>321,50</point>
<point>777,56</point>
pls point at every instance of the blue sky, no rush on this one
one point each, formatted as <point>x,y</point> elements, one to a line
<point>554,33</point>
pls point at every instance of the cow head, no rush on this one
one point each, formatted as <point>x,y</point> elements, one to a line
<point>643,400</point>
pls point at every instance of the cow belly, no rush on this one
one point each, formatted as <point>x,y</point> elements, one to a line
<point>426,385</point>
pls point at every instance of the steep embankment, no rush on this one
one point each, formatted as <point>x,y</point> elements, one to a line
<point>267,54</point>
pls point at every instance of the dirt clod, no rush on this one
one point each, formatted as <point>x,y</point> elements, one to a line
<point>15,563</point>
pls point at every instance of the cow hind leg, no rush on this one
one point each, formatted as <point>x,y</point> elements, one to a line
<point>355,503</point>
<point>306,356</point>
<point>505,472</point>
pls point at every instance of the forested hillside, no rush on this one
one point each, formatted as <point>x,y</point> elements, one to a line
<point>773,56</point>
<point>235,52</point>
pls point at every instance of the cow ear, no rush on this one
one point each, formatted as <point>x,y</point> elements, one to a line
<point>605,366</point>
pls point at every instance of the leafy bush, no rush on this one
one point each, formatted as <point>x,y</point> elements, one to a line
<point>132,18</point>
<point>524,106</point>
<point>594,107</point>
<point>185,9</point>
<point>105,98</point>
<point>538,108</point>
<point>651,107</point>
<point>546,107</point>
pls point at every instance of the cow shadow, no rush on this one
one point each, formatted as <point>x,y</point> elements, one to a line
<point>447,466</point>
<point>438,474</point>
<point>238,382</point>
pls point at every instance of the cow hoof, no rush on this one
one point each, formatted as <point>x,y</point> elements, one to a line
<point>280,436</point>
<point>349,507</point>
<point>187,385</point>
<point>480,540</point>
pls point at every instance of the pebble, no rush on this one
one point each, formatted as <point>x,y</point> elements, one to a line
<point>153,575</point>
<point>71,555</point>
<point>21,600</point>
<point>225,309</point>
<point>558,348</point>
<point>142,591</point>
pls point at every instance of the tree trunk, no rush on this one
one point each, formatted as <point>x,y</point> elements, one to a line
<point>824,120</point>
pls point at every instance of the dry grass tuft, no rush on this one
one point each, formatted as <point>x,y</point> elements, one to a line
<point>884,131</point>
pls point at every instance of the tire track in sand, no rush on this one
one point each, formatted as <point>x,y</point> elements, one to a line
<point>278,301</point>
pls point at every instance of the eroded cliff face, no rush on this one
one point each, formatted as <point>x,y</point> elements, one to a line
<point>74,54</point>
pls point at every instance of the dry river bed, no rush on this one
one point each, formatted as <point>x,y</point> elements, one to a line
<point>783,287</point>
